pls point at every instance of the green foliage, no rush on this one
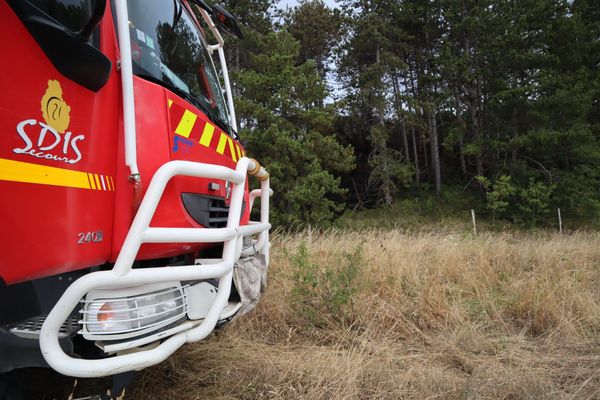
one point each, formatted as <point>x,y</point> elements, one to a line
<point>324,295</point>
<point>421,208</point>
<point>289,130</point>
<point>317,28</point>
<point>527,204</point>
<point>535,205</point>
<point>497,97</point>
<point>499,195</point>
<point>389,171</point>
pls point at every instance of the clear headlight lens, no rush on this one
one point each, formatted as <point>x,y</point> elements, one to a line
<point>136,315</point>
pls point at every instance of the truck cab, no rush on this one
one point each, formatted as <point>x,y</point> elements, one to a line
<point>125,205</point>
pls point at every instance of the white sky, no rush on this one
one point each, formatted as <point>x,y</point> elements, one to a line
<point>292,3</point>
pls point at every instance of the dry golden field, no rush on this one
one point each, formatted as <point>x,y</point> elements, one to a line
<point>392,315</point>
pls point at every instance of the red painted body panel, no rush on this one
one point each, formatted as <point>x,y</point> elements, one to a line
<point>156,145</point>
<point>40,223</point>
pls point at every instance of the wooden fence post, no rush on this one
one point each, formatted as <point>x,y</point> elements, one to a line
<point>559,221</point>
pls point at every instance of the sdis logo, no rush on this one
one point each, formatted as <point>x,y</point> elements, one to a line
<point>52,142</point>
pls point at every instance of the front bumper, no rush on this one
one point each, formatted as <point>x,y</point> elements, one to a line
<point>124,276</point>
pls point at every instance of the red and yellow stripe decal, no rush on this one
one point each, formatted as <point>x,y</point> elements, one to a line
<point>18,171</point>
<point>188,124</point>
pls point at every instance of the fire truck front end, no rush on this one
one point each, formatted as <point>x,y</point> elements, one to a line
<point>125,206</point>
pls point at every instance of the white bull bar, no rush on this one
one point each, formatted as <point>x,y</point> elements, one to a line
<point>122,274</point>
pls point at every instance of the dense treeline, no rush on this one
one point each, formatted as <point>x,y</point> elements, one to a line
<point>381,98</point>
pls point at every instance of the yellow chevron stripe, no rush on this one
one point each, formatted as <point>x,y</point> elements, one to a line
<point>222,143</point>
<point>239,152</point>
<point>98,184</point>
<point>170,102</point>
<point>186,124</point>
<point>17,171</point>
<point>207,134</point>
<point>92,182</point>
<point>231,149</point>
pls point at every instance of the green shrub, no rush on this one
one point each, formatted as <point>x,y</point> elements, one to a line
<point>528,203</point>
<point>322,295</point>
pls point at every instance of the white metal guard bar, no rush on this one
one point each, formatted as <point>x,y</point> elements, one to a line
<point>219,46</point>
<point>122,275</point>
<point>127,89</point>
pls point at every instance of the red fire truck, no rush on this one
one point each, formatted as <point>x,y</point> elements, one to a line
<point>125,226</point>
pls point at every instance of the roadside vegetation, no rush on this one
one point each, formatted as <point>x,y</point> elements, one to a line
<point>390,314</point>
<point>426,110</point>
<point>366,103</point>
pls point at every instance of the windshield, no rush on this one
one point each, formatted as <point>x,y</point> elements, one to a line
<point>167,48</point>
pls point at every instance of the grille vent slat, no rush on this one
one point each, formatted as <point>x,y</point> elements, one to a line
<point>30,329</point>
<point>218,212</point>
<point>208,211</point>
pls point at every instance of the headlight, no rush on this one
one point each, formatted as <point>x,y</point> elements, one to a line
<point>124,317</point>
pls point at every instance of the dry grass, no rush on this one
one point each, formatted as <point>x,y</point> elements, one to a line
<point>434,315</point>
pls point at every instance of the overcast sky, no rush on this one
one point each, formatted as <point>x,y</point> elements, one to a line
<point>292,3</point>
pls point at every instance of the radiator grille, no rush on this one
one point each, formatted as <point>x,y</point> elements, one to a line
<point>217,213</point>
<point>208,211</point>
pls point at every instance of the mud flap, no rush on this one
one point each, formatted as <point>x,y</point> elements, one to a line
<point>250,278</point>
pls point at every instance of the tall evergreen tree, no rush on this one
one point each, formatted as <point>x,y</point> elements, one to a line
<point>288,128</point>
<point>501,96</point>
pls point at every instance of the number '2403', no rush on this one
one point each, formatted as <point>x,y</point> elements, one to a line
<point>90,237</point>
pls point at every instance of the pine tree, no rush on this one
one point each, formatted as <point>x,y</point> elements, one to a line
<point>288,128</point>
